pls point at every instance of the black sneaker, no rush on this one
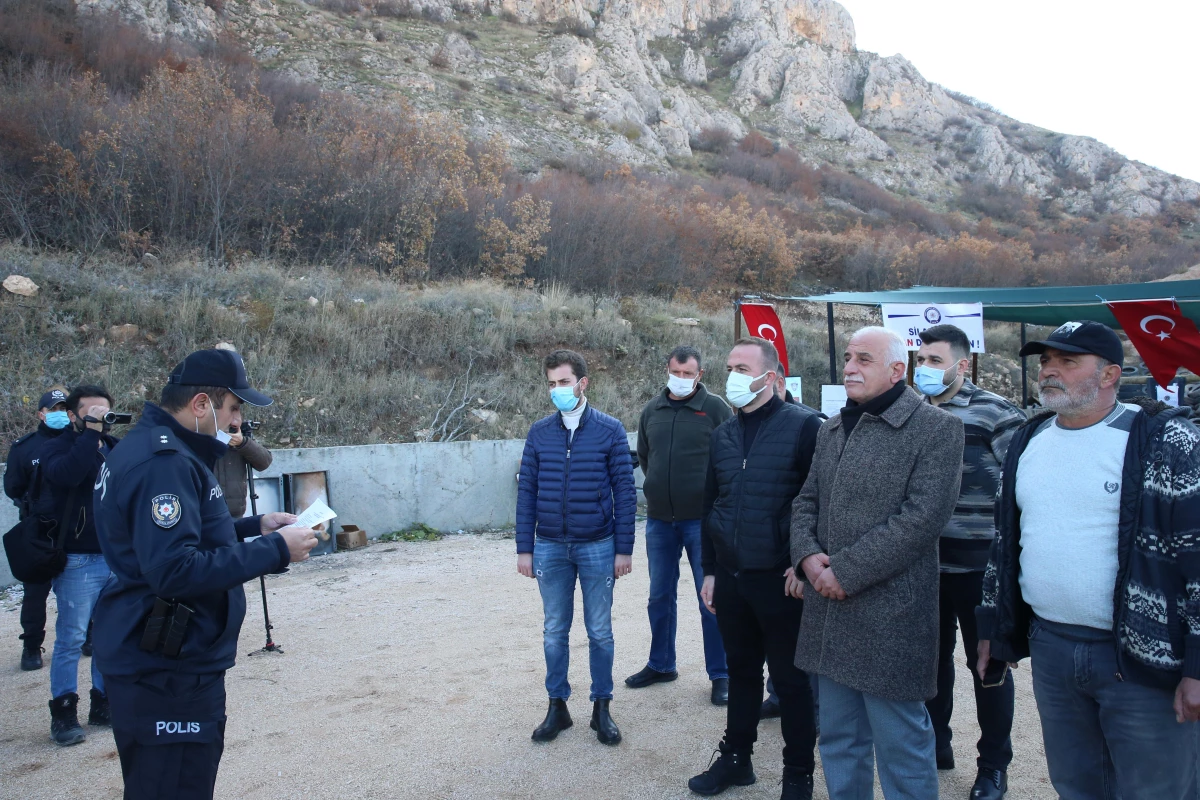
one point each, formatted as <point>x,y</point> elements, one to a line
<point>100,713</point>
<point>991,784</point>
<point>797,784</point>
<point>31,657</point>
<point>730,768</point>
<point>64,721</point>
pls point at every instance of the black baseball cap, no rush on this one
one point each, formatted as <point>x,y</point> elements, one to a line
<point>52,398</point>
<point>222,368</point>
<point>1086,336</point>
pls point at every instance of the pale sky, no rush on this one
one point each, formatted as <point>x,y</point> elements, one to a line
<point>1125,73</point>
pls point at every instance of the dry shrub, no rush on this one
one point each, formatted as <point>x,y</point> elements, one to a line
<point>712,140</point>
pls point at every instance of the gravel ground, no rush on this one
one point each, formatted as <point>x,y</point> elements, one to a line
<point>414,670</point>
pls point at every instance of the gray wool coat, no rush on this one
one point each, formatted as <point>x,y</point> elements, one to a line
<point>876,505</point>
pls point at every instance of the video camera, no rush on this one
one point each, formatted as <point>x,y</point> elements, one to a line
<point>112,418</point>
<point>249,426</point>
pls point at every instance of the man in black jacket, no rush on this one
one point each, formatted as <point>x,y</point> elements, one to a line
<point>759,460</point>
<point>70,464</point>
<point>673,438</point>
<point>18,477</point>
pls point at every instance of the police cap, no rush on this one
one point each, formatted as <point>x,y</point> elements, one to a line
<point>223,368</point>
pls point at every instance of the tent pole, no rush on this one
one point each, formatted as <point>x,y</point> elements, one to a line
<point>833,378</point>
<point>737,320</point>
<point>1024,374</point>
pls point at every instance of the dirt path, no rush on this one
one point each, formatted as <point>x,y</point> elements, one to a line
<point>415,671</point>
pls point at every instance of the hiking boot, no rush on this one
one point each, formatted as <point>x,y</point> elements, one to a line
<point>557,720</point>
<point>100,713</point>
<point>797,784</point>
<point>64,722</point>
<point>730,768</point>
<point>31,657</point>
<point>602,723</point>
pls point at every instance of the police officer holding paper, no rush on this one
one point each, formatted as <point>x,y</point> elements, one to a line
<point>167,623</point>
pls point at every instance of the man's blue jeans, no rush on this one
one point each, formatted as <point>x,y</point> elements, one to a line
<point>665,543</point>
<point>860,731</point>
<point>556,565</point>
<point>1106,738</point>
<point>75,591</point>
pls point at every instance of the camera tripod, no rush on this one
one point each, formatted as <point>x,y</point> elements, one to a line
<point>270,646</point>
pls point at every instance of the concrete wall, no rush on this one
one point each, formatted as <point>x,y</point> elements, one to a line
<point>389,487</point>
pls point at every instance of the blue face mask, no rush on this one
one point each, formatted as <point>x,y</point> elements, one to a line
<point>564,398</point>
<point>931,381</point>
<point>57,420</point>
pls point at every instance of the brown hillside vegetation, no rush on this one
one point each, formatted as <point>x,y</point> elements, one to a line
<point>111,141</point>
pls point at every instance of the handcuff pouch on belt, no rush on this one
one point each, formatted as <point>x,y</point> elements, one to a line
<point>165,627</point>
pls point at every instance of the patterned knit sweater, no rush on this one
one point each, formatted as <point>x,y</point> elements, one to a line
<point>1156,599</point>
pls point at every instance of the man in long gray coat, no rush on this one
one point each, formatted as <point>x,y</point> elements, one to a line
<point>865,529</point>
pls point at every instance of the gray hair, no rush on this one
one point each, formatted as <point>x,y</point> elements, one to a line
<point>896,351</point>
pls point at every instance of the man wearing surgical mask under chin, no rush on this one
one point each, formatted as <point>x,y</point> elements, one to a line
<point>990,422</point>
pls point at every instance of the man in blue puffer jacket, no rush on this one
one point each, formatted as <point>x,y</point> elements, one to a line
<point>575,514</point>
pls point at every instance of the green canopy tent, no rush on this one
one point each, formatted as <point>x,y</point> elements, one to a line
<point>1034,305</point>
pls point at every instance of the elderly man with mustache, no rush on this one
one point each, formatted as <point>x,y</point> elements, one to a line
<point>1095,575</point>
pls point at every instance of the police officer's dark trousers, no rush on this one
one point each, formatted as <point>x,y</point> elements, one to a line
<point>33,613</point>
<point>170,732</point>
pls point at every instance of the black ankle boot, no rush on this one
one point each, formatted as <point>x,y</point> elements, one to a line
<point>602,723</point>
<point>797,784</point>
<point>557,720</point>
<point>64,721</point>
<point>99,714</point>
<point>731,768</point>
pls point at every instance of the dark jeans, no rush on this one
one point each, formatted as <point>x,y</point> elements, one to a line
<point>1106,738</point>
<point>665,543</point>
<point>959,595</point>
<point>33,613</point>
<point>759,621</point>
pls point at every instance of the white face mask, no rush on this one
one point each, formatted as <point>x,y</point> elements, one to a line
<point>737,389</point>
<point>680,387</point>
<point>222,436</point>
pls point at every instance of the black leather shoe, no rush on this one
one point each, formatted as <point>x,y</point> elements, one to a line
<point>731,768</point>
<point>991,784</point>
<point>602,723</point>
<point>797,784</point>
<point>557,720</point>
<point>769,710</point>
<point>649,676</point>
<point>945,758</point>
<point>31,658</point>
<point>720,692</point>
<point>99,713</point>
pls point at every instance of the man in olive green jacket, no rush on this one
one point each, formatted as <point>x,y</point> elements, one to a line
<point>673,439</point>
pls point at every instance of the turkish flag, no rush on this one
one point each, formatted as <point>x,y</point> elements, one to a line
<point>1165,339</point>
<point>761,321</point>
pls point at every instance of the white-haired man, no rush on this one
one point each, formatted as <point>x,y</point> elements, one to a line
<point>883,484</point>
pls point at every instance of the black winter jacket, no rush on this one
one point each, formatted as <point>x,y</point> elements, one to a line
<point>672,448</point>
<point>22,458</point>
<point>69,467</point>
<point>747,519</point>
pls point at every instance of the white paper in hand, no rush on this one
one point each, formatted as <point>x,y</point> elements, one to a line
<point>314,515</point>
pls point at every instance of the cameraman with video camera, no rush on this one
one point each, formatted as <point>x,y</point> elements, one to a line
<point>69,466</point>
<point>231,468</point>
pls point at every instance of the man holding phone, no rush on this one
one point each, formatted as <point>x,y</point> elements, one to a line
<point>989,422</point>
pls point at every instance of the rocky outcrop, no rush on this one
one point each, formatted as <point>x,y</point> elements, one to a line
<point>640,80</point>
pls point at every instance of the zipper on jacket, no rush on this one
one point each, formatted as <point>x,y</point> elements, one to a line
<point>566,482</point>
<point>737,517</point>
<point>671,449</point>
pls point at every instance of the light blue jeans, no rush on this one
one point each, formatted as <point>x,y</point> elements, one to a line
<point>860,731</point>
<point>75,591</point>
<point>556,566</point>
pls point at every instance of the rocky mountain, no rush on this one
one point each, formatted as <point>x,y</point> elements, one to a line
<point>650,82</point>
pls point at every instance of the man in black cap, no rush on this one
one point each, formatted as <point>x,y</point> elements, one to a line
<point>18,475</point>
<point>167,623</point>
<point>1095,575</point>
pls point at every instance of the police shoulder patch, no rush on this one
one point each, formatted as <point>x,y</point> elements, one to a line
<point>166,510</point>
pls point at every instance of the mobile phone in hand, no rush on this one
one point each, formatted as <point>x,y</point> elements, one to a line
<point>995,674</point>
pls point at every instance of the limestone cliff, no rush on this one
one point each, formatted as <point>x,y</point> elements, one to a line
<point>641,79</point>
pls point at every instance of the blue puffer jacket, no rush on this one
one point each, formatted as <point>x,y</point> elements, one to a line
<point>576,490</point>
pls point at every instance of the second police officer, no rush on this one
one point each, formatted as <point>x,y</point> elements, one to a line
<point>167,624</point>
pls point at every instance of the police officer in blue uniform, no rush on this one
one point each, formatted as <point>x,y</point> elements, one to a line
<point>18,475</point>
<point>167,623</point>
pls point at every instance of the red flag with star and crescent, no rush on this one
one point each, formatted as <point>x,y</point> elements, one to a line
<point>763,322</point>
<point>1165,339</point>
